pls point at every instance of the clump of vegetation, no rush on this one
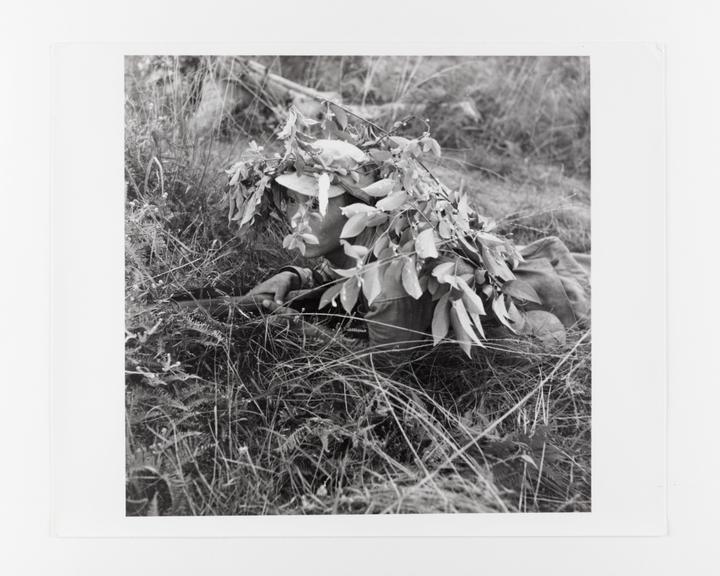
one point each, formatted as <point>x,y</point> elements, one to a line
<point>235,415</point>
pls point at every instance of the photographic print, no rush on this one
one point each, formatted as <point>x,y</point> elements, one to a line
<point>357,285</point>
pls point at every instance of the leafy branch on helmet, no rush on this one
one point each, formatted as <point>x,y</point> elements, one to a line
<point>412,227</point>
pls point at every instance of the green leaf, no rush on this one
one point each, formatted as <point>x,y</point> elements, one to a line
<point>377,219</point>
<point>371,282</point>
<point>469,250</point>
<point>398,141</point>
<point>354,226</point>
<point>441,319</point>
<point>401,224</point>
<point>445,229</point>
<point>431,145</point>
<point>463,214</point>
<point>299,165</point>
<point>379,155</point>
<point>299,244</point>
<point>340,115</point>
<point>393,201</point>
<point>355,251</point>
<point>345,272</point>
<point>464,320</point>
<point>251,204</point>
<point>408,246</point>
<point>288,129</point>
<point>425,244</point>
<point>498,306</point>
<point>516,317</point>
<point>359,208</point>
<point>441,271</point>
<point>452,280</point>
<point>496,267</point>
<point>340,134</point>
<point>522,290</point>
<point>527,458</point>
<point>423,280</point>
<point>393,272</point>
<point>380,245</point>
<point>329,295</point>
<point>460,334</point>
<point>489,240</point>
<point>323,190</point>
<point>387,253</point>
<point>235,177</point>
<point>478,324</point>
<point>349,293</point>
<point>381,188</point>
<point>472,301</point>
<point>310,238</point>
<point>410,278</point>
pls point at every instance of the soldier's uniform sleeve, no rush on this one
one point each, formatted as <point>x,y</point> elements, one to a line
<point>560,278</point>
<point>396,320</point>
<point>399,322</point>
<point>310,278</point>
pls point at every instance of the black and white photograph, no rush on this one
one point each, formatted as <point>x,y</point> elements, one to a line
<point>359,289</point>
<point>357,284</point>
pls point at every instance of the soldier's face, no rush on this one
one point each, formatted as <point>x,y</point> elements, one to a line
<point>327,228</point>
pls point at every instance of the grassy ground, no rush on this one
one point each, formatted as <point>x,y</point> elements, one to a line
<point>235,416</point>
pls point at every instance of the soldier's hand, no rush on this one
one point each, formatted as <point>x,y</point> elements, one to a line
<point>276,287</point>
<point>283,316</point>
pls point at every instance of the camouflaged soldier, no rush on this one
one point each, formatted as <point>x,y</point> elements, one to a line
<point>396,316</point>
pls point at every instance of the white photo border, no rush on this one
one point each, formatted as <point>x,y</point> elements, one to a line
<point>629,479</point>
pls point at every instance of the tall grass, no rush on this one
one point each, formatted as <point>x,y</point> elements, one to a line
<point>500,111</point>
<point>235,415</point>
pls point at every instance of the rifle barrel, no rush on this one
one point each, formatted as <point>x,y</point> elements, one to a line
<point>247,303</point>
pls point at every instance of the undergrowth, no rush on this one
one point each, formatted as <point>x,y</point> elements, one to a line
<point>233,415</point>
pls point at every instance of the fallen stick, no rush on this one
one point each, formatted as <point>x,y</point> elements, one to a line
<point>289,85</point>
